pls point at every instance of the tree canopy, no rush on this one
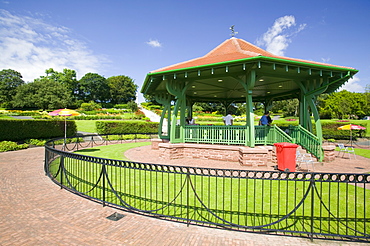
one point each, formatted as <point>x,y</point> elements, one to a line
<point>93,87</point>
<point>122,89</point>
<point>345,105</point>
<point>44,94</point>
<point>10,80</point>
<point>62,89</point>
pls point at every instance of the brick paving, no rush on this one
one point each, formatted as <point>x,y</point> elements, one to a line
<point>35,211</point>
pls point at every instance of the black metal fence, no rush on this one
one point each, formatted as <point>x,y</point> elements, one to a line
<point>315,205</point>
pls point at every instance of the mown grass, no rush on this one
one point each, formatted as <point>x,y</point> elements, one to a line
<point>115,151</point>
<point>2,116</point>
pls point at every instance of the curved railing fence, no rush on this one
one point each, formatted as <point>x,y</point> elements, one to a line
<point>317,205</point>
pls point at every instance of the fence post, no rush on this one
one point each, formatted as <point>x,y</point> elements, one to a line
<point>104,172</point>
<point>187,197</point>
<point>312,206</point>
<point>61,171</point>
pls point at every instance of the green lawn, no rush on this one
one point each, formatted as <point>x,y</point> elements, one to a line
<point>360,152</point>
<point>2,116</point>
<point>115,151</point>
<point>86,126</point>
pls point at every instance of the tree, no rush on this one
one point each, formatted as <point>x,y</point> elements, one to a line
<point>122,89</point>
<point>286,107</point>
<point>93,87</point>
<point>67,78</point>
<point>44,94</point>
<point>345,104</point>
<point>10,80</point>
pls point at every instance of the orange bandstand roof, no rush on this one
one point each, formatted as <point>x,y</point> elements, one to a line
<point>234,49</point>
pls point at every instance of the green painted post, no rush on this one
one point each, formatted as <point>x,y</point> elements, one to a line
<point>251,80</point>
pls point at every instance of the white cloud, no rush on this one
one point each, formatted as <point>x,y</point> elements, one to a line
<point>353,86</point>
<point>325,60</point>
<point>30,46</point>
<point>154,43</point>
<point>277,38</point>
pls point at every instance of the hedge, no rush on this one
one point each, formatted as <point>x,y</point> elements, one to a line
<point>16,130</point>
<point>120,127</point>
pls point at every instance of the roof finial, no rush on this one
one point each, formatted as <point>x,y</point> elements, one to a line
<point>233,33</point>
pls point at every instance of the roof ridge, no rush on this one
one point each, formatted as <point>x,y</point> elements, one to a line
<point>214,52</point>
<point>246,52</point>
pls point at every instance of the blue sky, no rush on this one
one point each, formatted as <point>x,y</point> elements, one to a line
<point>119,37</point>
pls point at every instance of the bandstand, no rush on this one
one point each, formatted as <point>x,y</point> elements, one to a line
<point>237,71</point>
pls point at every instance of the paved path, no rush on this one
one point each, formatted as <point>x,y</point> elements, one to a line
<point>35,211</point>
<point>154,118</point>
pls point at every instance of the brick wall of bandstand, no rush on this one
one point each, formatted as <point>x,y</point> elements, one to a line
<point>246,156</point>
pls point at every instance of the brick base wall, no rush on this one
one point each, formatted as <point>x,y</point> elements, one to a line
<point>258,156</point>
<point>246,156</point>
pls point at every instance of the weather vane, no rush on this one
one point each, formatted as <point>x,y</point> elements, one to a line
<point>233,33</point>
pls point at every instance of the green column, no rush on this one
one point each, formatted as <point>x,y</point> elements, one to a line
<point>177,88</point>
<point>251,141</point>
<point>165,100</point>
<point>250,82</point>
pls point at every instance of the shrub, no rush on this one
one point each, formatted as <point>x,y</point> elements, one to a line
<point>121,127</point>
<point>90,106</point>
<point>16,130</point>
<point>36,142</point>
<point>121,106</point>
<point>10,146</point>
<point>132,106</point>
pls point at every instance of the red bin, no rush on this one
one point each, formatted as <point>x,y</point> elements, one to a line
<point>286,156</point>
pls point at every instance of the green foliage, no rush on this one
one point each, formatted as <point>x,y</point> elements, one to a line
<point>15,130</point>
<point>90,106</point>
<point>330,130</point>
<point>10,80</point>
<point>10,146</point>
<point>121,106</point>
<point>68,78</point>
<point>132,106</point>
<point>36,142</point>
<point>344,105</point>
<point>44,94</point>
<point>93,87</point>
<point>286,107</point>
<point>122,89</point>
<point>121,127</point>
<point>96,117</point>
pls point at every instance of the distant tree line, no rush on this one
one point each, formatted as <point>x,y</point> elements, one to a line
<point>338,105</point>
<point>62,89</point>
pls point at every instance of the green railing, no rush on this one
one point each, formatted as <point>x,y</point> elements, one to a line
<point>215,134</point>
<point>307,140</point>
<point>266,135</point>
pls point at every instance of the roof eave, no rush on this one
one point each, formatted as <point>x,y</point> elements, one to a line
<point>249,59</point>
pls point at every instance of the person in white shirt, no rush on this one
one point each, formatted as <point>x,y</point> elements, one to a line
<point>190,121</point>
<point>228,119</point>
